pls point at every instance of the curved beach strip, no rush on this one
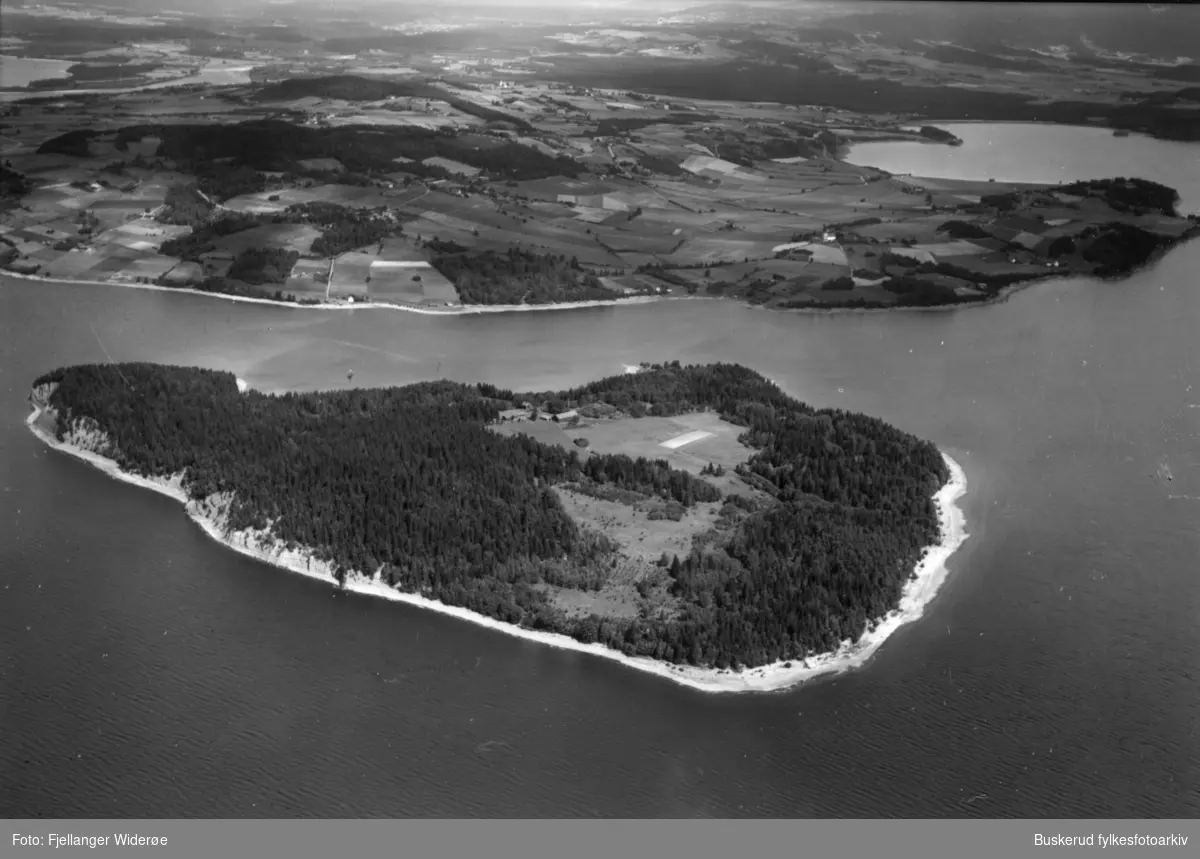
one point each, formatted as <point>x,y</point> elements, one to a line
<point>927,579</point>
<point>476,309</point>
<point>459,310</point>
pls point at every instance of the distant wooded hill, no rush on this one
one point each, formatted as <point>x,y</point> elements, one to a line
<point>228,159</point>
<point>750,81</point>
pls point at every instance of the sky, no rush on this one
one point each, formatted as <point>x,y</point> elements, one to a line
<point>336,5</point>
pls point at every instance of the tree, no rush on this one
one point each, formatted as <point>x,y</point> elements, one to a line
<point>1061,246</point>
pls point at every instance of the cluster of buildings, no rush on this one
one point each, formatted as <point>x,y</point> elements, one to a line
<point>528,411</point>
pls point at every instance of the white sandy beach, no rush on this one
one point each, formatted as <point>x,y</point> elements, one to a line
<point>477,309</point>
<point>460,310</point>
<point>209,514</point>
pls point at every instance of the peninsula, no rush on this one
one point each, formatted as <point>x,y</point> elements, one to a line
<point>691,521</point>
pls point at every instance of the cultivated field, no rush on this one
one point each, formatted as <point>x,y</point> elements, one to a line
<point>645,437</point>
<point>679,194</point>
<point>547,432</point>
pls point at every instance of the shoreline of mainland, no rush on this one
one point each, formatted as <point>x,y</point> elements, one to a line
<point>1003,294</point>
<point>210,514</point>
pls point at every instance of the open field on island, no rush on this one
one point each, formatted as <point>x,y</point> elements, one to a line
<point>640,538</point>
<point>547,432</point>
<point>713,440</point>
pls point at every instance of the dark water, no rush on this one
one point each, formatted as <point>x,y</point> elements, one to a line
<point>146,671</point>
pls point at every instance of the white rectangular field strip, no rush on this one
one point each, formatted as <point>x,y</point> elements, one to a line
<point>686,438</point>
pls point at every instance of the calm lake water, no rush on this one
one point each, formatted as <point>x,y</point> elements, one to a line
<point>1039,152</point>
<point>147,671</point>
<point>22,71</point>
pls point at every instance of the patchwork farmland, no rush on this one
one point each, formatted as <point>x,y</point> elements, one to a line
<point>403,190</point>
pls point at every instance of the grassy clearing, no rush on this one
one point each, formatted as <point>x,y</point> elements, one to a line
<point>308,279</point>
<point>644,437</point>
<point>396,285</point>
<point>642,542</point>
<point>293,237</point>
<point>398,273</point>
<point>713,249</point>
<point>349,277</point>
<point>547,432</point>
<point>640,538</point>
<point>951,249</point>
<point>343,195</point>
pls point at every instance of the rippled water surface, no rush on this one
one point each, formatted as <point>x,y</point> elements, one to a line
<point>147,671</point>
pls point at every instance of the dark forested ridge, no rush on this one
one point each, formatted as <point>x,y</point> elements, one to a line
<point>516,277</point>
<point>229,159</point>
<point>412,482</point>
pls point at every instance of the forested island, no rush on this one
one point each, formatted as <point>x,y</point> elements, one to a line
<point>939,135</point>
<point>794,551</point>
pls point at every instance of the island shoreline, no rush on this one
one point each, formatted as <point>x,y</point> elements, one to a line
<point>927,578</point>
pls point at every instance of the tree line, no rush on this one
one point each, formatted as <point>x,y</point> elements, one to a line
<point>516,276</point>
<point>242,152</point>
<point>344,228</point>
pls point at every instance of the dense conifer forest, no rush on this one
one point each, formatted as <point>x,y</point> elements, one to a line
<point>1116,248</point>
<point>185,207</point>
<point>229,160</point>
<point>12,183</point>
<point>263,265</point>
<point>343,228</point>
<point>73,143</point>
<point>410,481</point>
<point>202,239</point>
<point>1127,194</point>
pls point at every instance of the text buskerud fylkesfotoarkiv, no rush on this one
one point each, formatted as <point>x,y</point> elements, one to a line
<point>1109,839</point>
